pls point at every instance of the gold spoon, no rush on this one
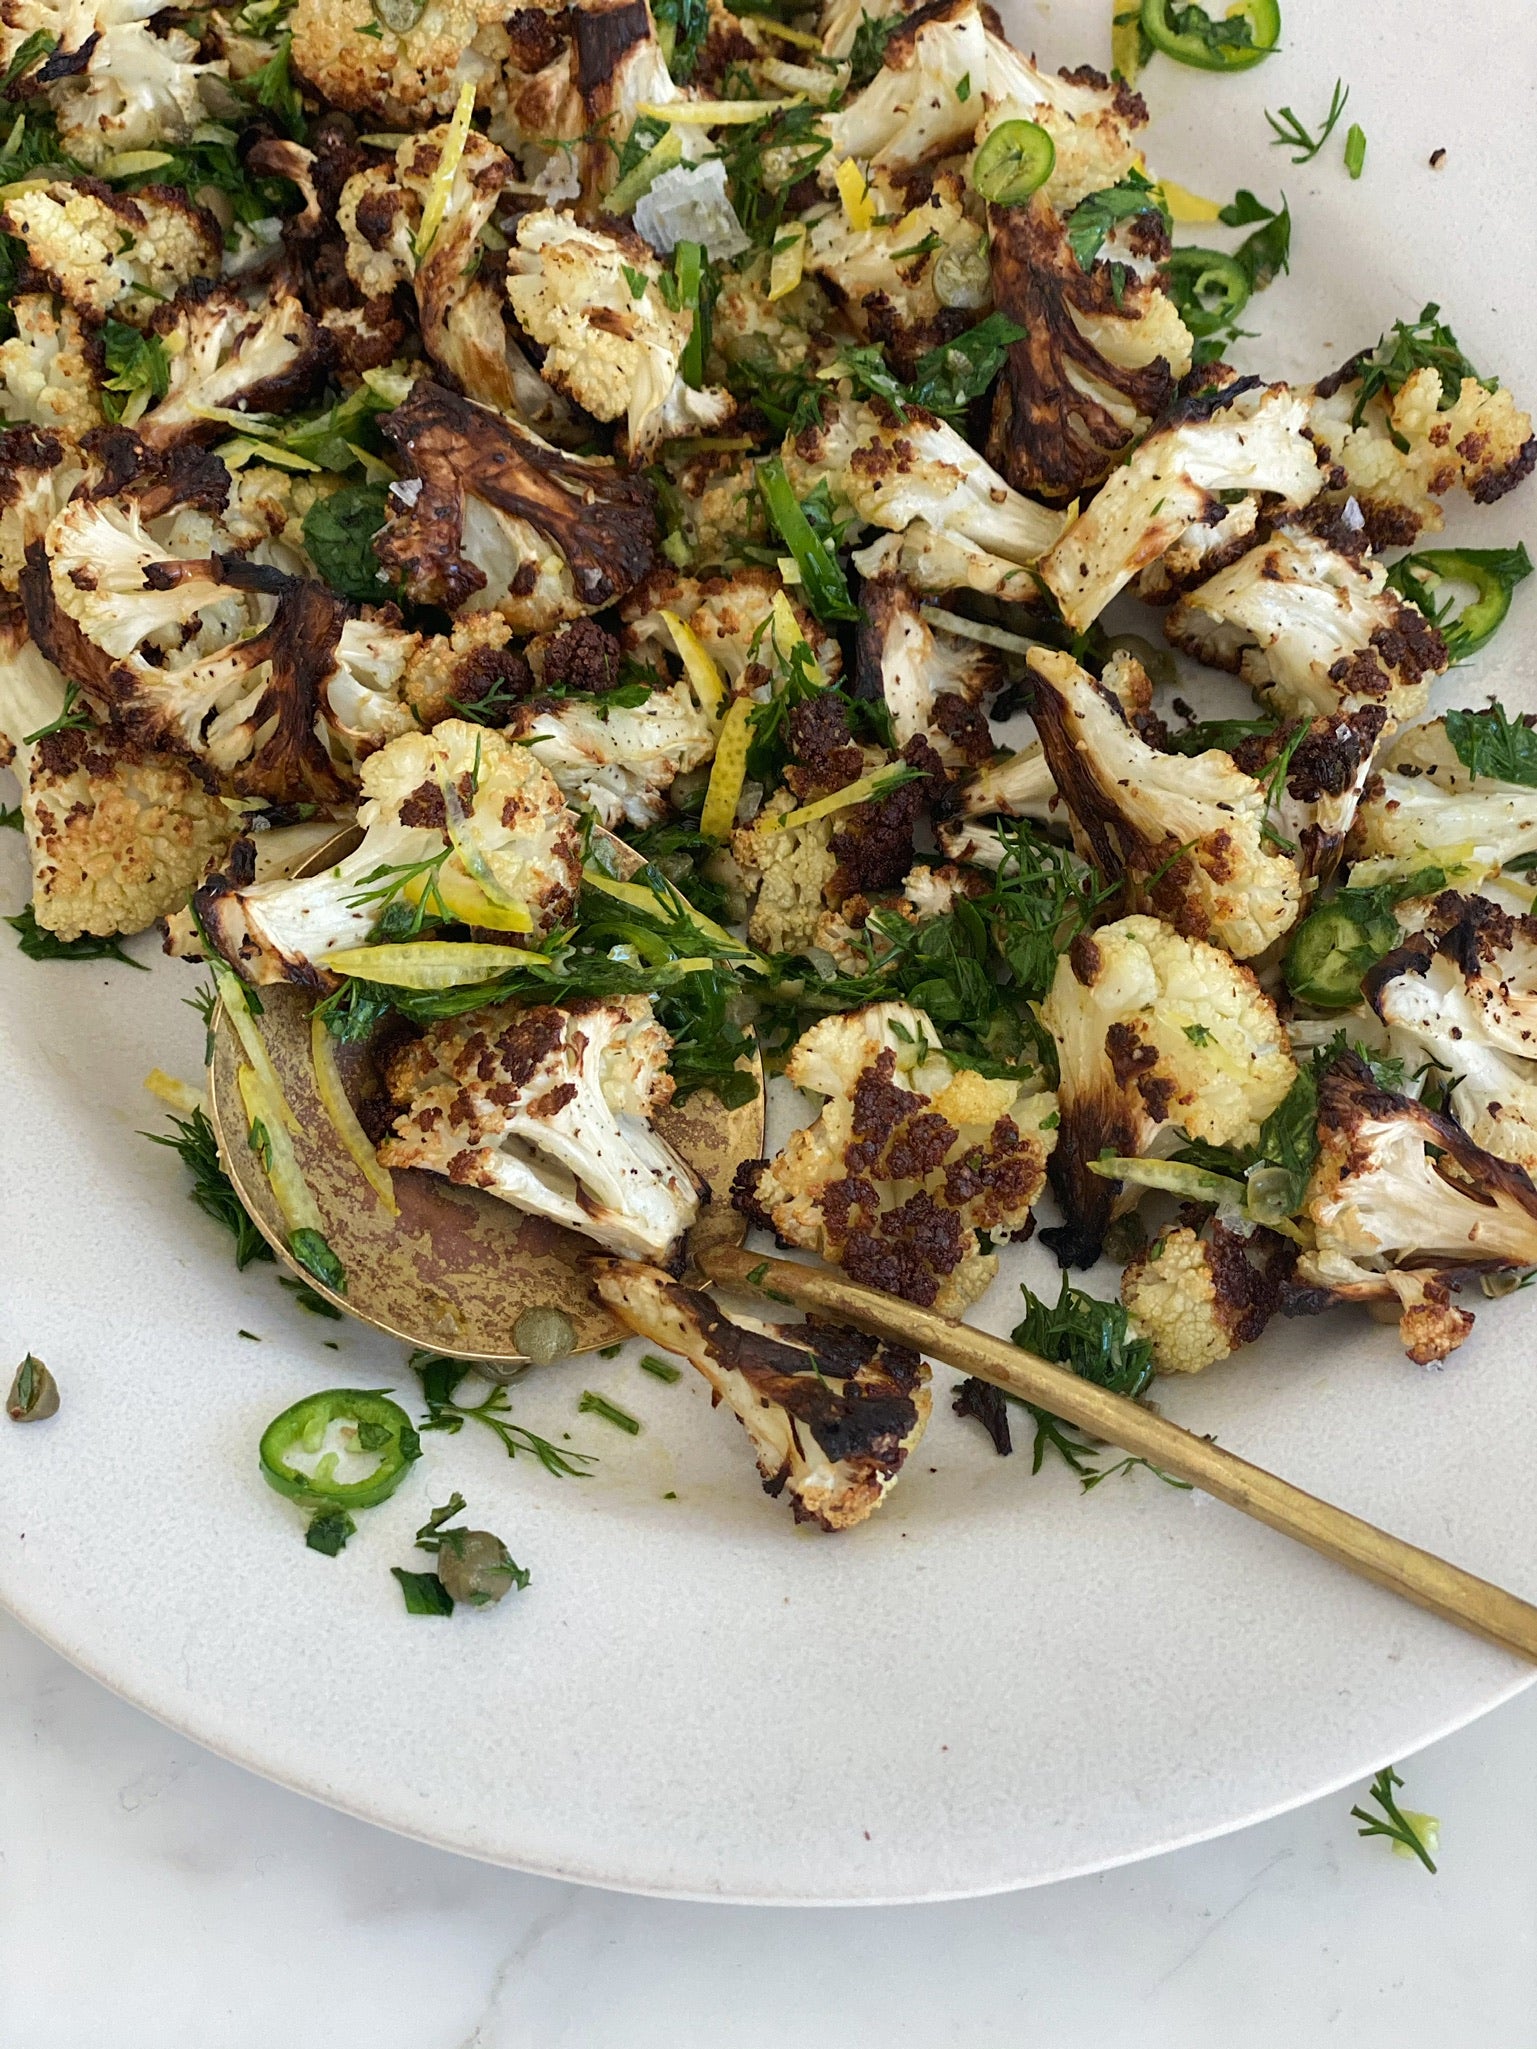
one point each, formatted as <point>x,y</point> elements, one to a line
<point>1419,1576</point>
<point>455,1270</point>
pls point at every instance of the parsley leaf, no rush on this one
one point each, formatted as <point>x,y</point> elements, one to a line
<point>38,943</point>
<point>338,535</point>
<point>1092,219</point>
<point>1491,743</point>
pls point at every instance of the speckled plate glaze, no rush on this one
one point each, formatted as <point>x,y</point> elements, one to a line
<point>997,1682</point>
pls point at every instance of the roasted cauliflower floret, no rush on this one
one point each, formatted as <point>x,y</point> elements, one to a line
<point>117,835</point>
<point>139,90</point>
<point>1461,993</point>
<point>406,80</point>
<point>1185,836</point>
<point>1097,362</point>
<point>613,348</point>
<point>1401,1203</point>
<point>832,1415</point>
<point>729,616</point>
<point>1018,785</point>
<point>1156,1035</point>
<point>47,377</point>
<point>550,1110</point>
<point>911,111</point>
<point>491,517</point>
<point>1092,122</point>
<point>223,660</point>
<point>1312,630</point>
<point>1242,438</point>
<point>108,253</point>
<point>909,1159</point>
<point>38,472</point>
<point>883,275</point>
<point>1401,442</point>
<point>381,213</point>
<point>1196,1296</point>
<point>1325,779</point>
<point>1427,810</point>
<point>619,761</point>
<point>459,823</point>
<point>223,352</point>
<point>931,682</point>
<point>919,477</point>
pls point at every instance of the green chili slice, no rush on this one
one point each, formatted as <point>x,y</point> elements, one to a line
<point>822,578</point>
<point>1237,42</point>
<point>1015,160</point>
<point>367,1423</point>
<point>1490,573</point>
<point>1336,945</point>
<point>1208,288</point>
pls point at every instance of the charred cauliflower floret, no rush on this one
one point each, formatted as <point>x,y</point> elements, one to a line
<point>730,617</point>
<point>1401,441</point>
<point>491,517</point>
<point>108,253</point>
<point>223,352</point>
<point>931,682</point>
<point>909,1159</point>
<point>38,473</point>
<point>1326,776</point>
<point>1092,122</point>
<point>613,348</point>
<point>458,822</point>
<point>1426,809</point>
<point>1462,993</point>
<point>219,658</point>
<point>1156,1035</point>
<point>47,376</point>
<point>1018,785</point>
<point>883,275</point>
<point>618,761</point>
<point>1097,363</point>
<point>1245,437</point>
<point>831,1414</point>
<point>382,213</point>
<point>1401,1203</point>
<point>550,1110</point>
<point>1184,835</point>
<point>404,79</point>
<point>137,90</point>
<point>920,478</point>
<point>911,111</point>
<point>1312,630</point>
<point>1196,1296</point>
<point>117,834</point>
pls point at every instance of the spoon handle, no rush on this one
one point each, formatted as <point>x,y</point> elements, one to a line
<point>1419,1576</point>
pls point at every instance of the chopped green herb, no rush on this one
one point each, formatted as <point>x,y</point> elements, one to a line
<point>963,87</point>
<point>1287,132</point>
<point>1412,1835</point>
<point>1092,219</point>
<point>1491,743</point>
<point>598,1405</point>
<point>339,534</point>
<point>255,1340</point>
<point>424,1592</point>
<point>440,1377</point>
<point>329,1530</point>
<point>213,1191</point>
<point>611,1351</point>
<point>1198,1035</point>
<point>867,54</point>
<point>660,1369</point>
<point>1355,149</point>
<point>305,1298</point>
<point>10,818</point>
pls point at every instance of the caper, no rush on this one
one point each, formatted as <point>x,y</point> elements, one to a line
<point>475,1566</point>
<point>398,16</point>
<point>544,1335</point>
<point>962,275</point>
<point>34,1393</point>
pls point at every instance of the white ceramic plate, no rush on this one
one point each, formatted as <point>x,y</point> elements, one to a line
<point>999,1680</point>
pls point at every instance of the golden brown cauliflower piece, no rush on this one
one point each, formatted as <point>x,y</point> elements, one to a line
<point>792,869</point>
<point>46,375</point>
<point>405,80</point>
<point>909,1159</point>
<point>1196,1296</point>
<point>831,1414</point>
<point>109,253</point>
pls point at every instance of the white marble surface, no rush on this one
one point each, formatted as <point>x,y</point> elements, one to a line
<point>154,1897</point>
